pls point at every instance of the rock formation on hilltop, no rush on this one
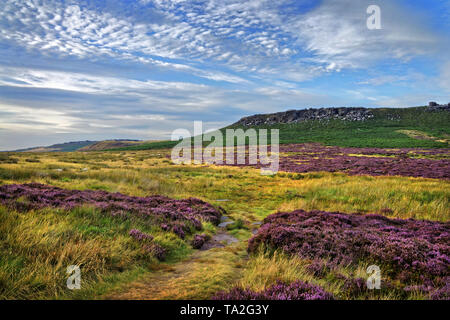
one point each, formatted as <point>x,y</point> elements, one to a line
<point>293,116</point>
<point>348,114</point>
<point>433,106</point>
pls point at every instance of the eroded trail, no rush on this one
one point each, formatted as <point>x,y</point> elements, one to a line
<point>213,268</point>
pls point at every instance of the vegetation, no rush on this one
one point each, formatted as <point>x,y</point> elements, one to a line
<point>389,128</point>
<point>37,245</point>
<point>384,130</point>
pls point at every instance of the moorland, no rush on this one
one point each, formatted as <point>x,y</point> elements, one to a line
<point>349,194</point>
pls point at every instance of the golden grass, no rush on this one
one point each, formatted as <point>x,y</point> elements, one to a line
<point>124,172</point>
<point>196,278</point>
<point>264,268</point>
<point>420,135</point>
<point>38,246</point>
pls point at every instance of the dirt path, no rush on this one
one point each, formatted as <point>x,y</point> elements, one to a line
<point>213,268</point>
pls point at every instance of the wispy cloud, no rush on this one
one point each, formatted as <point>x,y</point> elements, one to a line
<point>142,68</point>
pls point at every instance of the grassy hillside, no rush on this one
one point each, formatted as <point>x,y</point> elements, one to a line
<point>147,146</point>
<point>389,128</point>
<point>110,144</point>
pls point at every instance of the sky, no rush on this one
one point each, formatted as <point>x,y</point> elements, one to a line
<point>103,69</point>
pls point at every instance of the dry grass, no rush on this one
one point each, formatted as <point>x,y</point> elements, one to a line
<point>36,247</point>
<point>266,267</point>
<point>196,278</point>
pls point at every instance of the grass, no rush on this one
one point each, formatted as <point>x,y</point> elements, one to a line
<point>389,128</point>
<point>406,197</point>
<point>380,131</point>
<point>37,246</point>
<point>199,277</point>
<point>266,267</point>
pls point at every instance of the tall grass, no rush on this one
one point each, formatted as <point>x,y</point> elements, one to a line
<point>37,246</point>
<point>265,267</point>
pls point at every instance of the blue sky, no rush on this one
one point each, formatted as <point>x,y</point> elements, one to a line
<point>77,70</point>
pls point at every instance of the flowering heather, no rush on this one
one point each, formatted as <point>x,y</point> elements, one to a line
<point>178,230</point>
<point>318,268</point>
<point>354,286</point>
<point>140,236</point>
<point>199,240</point>
<point>410,250</point>
<point>442,293</point>
<point>297,290</point>
<point>302,158</point>
<point>171,214</point>
<point>157,250</point>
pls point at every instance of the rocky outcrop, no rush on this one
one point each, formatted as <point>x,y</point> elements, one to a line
<point>294,116</point>
<point>433,106</point>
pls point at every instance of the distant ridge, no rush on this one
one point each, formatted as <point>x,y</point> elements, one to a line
<point>60,147</point>
<point>86,145</point>
<point>111,144</point>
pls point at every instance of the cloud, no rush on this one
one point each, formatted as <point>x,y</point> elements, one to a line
<point>141,69</point>
<point>336,35</point>
<point>256,36</point>
<point>444,77</point>
<point>86,83</point>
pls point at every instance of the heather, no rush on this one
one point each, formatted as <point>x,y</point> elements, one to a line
<point>178,216</point>
<point>297,290</point>
<point>426,163</point>
<point>115,248</point>
<point>199,240</point>
<point>409,251</point>
<point>367,161</point>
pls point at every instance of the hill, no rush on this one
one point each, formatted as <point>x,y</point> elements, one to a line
<point>85,146</point>
<point>110,144</point>
<point>415,127</point>
<point>60,147</point>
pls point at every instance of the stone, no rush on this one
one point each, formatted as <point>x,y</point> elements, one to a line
<point>294,116</point>
<point>433,106</point>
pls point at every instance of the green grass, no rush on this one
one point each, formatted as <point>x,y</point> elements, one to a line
<point>149,146</point>
<point>379,131</point>
<point>382,131</point>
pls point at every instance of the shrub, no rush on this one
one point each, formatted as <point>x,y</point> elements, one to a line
<point>179,216</point>
<point>199,240</point>
<point>297,290</point>
<point>410,250</point>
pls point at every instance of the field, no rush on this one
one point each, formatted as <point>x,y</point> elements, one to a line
<point>127,251</point>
